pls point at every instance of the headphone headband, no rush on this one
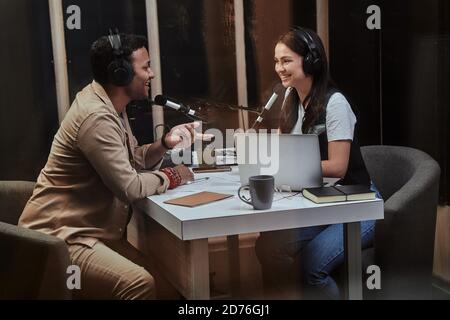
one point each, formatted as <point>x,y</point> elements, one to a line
<point>116,43</point>
<point>307,39</point>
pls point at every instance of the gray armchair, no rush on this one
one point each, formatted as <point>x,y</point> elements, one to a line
<point>408,180</point>
<point>33,265</point>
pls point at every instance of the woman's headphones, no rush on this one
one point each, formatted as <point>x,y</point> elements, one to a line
<point>312,61</point>
<point>120,70</point>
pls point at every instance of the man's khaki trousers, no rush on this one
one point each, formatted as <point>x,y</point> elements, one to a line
<point>111,271</point>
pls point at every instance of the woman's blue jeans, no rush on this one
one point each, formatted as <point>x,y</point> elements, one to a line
<point>307,257</point>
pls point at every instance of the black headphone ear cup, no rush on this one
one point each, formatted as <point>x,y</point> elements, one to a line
<point>311,64</point>
<point>308,68</point>
<point>312,60</point>
<point>120,72</point>
<point>306,65</point>
<point>314,64</point>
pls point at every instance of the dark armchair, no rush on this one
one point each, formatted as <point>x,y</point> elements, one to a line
<point>408,180</point>
<point>33,265</point>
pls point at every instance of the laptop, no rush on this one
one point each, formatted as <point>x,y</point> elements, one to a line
<point>294,160</point>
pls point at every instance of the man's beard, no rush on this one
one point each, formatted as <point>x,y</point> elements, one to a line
<point>136,94</point>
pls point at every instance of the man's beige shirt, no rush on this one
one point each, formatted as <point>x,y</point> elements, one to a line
<point>93,173</point>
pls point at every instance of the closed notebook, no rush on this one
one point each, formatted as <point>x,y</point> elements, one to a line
<point>357,192</point>
<point>324,195</point>
<point>198,199</point>
<point>339,193</point>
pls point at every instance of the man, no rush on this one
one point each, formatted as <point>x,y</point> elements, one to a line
<point>95,171</point>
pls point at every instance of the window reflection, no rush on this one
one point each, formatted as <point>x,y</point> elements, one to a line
<point>198,58</point>
<point>28,111</point>
<point>97,17</point>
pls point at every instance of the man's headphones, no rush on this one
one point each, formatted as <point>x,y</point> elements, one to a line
<point>120,70</point>
<point>312,61</point>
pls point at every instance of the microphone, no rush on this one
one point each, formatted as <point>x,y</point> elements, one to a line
<point>163,101</point>
<point>269,105</point>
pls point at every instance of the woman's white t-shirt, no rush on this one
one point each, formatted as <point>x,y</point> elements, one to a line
<point>340,119</point>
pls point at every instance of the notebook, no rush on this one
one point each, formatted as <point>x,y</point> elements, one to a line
<point>198,199</point>
<point>339,193</point>
<point>324,195</point>
<point>357,192</point>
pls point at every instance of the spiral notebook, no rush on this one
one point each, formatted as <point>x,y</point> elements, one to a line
<point>198,199</point>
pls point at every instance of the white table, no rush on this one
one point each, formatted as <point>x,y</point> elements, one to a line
<point>182,252</point>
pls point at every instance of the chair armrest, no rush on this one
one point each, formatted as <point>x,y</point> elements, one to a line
<point>33,265</point>
<point>13,197</point>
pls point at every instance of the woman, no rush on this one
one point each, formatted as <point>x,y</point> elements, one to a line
<point>313,105</point>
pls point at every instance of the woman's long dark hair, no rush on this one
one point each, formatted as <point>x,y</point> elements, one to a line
<point>315,100</point>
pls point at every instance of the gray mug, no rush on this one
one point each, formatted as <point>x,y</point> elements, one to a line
<point>261,192</point>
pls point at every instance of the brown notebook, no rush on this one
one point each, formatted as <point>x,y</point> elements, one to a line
<point>198,199</point>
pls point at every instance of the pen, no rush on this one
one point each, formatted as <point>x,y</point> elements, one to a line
<point>197,180</point>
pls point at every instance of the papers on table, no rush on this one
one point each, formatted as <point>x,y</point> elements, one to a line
<point>219,183</point>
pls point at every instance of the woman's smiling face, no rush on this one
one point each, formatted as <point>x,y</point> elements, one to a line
<point>288,66</point>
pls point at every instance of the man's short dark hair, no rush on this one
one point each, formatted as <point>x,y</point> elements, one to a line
<point>102,54</point>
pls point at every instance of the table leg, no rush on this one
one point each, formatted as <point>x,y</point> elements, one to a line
<point>353,266</point>
<point>234,265</point>
<point>184,264</point>
<point>199,269</point>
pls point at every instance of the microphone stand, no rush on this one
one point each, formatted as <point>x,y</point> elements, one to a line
<point>268,106</point>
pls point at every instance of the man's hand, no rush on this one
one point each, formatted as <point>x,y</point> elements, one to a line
<point>184,135</point>
<point>185,174</point>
